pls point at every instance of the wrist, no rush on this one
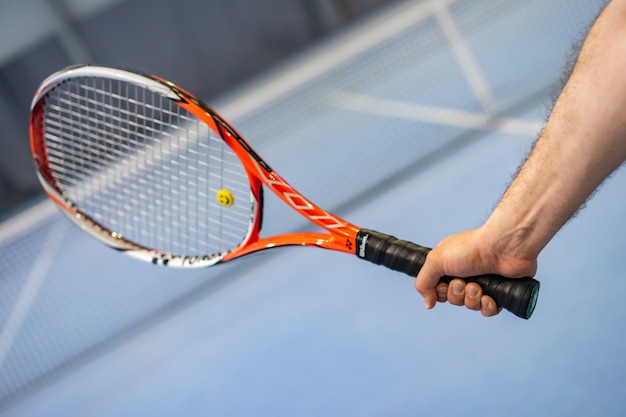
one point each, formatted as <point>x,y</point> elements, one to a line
<point>512,245</point>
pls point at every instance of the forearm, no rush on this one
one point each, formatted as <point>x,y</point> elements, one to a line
<point>583,142</point>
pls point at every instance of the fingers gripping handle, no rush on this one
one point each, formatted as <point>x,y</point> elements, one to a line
<point>518,295</point>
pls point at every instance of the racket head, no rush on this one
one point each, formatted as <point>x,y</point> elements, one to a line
<point>143,166</point>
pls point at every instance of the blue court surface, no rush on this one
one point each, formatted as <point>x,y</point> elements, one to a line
<point>411,123</point>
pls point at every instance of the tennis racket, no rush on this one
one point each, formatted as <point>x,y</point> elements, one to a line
<point>150,170</point>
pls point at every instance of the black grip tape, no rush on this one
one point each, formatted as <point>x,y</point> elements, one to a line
<point>519,295</point>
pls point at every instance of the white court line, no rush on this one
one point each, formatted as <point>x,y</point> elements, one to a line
<point>31,288</point>
<point>470,68</point>
<point>26,220</point>
<point>433,114</point>
<point>315,63</point>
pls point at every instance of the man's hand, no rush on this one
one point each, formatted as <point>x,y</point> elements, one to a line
<point>464,255</point>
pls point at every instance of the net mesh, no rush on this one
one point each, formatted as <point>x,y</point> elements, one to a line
<point>143,167</point>
<point>334,136</point>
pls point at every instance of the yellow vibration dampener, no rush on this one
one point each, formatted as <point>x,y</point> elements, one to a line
<point>225,198</point>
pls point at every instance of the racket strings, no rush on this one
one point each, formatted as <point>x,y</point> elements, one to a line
<point>144,168</point>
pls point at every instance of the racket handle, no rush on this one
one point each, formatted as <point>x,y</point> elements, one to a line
<point>517,295</point>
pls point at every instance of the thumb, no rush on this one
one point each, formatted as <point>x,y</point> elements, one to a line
<point>428,278</point>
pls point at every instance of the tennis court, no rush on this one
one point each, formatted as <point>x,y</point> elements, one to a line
<point>410,122</point>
